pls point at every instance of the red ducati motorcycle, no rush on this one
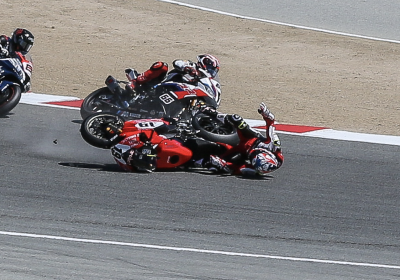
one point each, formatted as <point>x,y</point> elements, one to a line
<point>148,144</point>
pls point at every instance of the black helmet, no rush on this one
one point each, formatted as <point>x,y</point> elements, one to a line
<point>22,40</point>
<point>144,158</point>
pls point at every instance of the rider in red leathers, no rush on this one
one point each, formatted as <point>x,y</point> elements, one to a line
<point>255,154</point>
<point>148,79</point>
<point>184,71</point>
<point>190,72</point>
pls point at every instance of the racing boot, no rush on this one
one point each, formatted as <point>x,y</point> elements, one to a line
<point>238,122</point>
<point>131,74</point>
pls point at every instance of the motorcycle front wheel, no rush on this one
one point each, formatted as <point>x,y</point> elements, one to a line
<point>213,130</point>
<point>9,98</point>
<point>101,130</point>
<point>101,100</point>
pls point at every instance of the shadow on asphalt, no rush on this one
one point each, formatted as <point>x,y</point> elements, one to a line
<point>116,168</point>
<point>99,167</point>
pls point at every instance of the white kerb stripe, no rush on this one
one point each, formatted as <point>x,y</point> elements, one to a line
<point>194,250</point>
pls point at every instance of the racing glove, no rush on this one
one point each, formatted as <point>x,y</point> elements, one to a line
<point>191,70</point>
<point>3,51</point>
<point>209,111</point>
<point>131,74</point>
<point>217,164</point>
<point>265,112</point>
<point>212,112</point>
<point>188,68</point>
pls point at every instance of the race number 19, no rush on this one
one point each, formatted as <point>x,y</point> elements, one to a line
<point>146,124</point>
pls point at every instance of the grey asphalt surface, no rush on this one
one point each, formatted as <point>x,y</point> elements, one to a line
<point>367,17</point>
<point>332,200</point>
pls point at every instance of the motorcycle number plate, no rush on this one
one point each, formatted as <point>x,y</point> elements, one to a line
<point>166,98</point>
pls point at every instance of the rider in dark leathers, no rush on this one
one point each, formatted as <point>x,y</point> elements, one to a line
<point>21,40</point>
<point>18,46</point>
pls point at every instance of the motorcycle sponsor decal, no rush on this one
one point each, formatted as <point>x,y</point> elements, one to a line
<point>189,92</point>
<point>18,66</point>
<point>123,113</point>
<point>131,141</point>
<point>134,115</point>
<point>28,69</point>
<point>127,114</point>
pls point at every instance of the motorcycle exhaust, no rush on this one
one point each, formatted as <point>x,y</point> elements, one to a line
<point>113,85</point>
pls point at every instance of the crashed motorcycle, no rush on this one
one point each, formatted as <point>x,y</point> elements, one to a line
<point>148,144</point>
<point>151,102</point>
<point>169,99</point>
<point>15,75</point>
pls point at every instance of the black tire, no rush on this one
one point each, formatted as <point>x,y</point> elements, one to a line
<point>93,103</point>
<point>213,130</point>
<point>9,99</point>
<point>95,129</point>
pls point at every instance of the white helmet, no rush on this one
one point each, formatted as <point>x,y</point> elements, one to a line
<point>263,161</point>
<point>209,63</point>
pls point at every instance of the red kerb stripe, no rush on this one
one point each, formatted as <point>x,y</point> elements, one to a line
<point>294,128</point>
<point>71,103</point>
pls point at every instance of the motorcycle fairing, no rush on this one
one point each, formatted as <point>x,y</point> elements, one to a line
<point>171,153</point>
<point>117,151</point>
<point>15,71</point>
<point>11,69</point>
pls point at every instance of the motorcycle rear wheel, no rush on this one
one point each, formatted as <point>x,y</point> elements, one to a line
<point>99,129</point>
<point>9,98</point>
<point>213,130</point>
<point>97,102</point>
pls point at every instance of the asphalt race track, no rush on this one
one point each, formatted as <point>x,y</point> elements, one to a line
<point>67,212</point>
<point>367,18</point>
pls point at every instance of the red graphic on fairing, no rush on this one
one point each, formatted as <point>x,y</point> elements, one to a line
<point>188,92</point>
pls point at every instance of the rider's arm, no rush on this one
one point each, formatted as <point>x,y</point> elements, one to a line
<point>269,119</point>
<point>4,45</point>
<point>187,68</point>
<point>181,65</point>
<point>273,143</point>
<point>3,41</point>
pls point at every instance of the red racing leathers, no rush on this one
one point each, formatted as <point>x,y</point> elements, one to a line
<point>242,158</point>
